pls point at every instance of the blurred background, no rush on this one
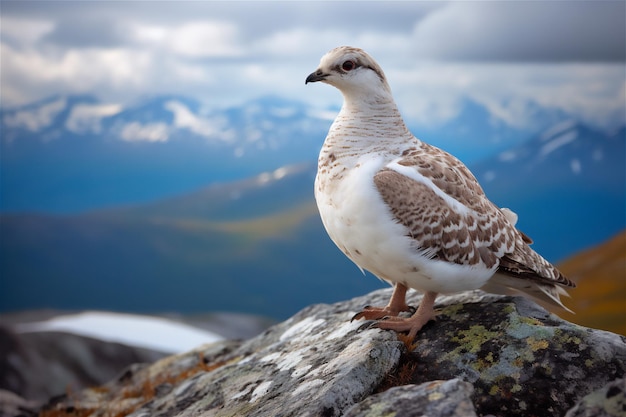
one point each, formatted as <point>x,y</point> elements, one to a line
<point>159,157</point>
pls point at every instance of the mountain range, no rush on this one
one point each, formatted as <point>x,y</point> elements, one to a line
<point>68,154</point>
<point>169,207</point>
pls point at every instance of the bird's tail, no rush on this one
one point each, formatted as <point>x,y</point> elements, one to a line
<point>547,295</point>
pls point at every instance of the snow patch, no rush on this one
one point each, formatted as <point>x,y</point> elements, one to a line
<point>559,141</point>
<point>489,176</point>
<point>151,132</point>
<point>87,117</point>
<point>557,129</point>
<point>129,329</point>
<point>322,114</point>
<point>265,177</point>
<point>283,112</point>
<point>185,118</point>
<point>507,156</point>
<point>36,119</point>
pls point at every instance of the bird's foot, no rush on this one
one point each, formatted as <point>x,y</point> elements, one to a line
<point>412,324</point>
<point>378,313</point>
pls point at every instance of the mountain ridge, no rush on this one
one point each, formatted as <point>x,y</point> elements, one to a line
<point>69,154</point>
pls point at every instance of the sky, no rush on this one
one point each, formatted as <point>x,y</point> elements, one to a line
<point>568,55</point>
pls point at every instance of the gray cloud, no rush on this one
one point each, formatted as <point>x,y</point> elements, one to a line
<point>435,53</point>
<point>89,31</point>
<point>476,31</point>
<point>255,19</point>
<point>525,32</point>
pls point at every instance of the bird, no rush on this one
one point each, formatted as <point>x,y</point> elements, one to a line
<point>410,213</point>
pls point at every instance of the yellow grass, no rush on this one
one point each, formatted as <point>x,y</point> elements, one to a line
<point>600,298</point>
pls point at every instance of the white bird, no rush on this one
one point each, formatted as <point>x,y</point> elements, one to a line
<point>411,213</point>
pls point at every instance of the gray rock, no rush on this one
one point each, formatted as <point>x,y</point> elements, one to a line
<point>39,365</point>
<point>485,354</point>
<point>12,405</point>
<point>609,401</point>
<point>431,399</point>
<point>520,359</point>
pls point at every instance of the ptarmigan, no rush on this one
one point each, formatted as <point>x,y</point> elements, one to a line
<point>410,213</point>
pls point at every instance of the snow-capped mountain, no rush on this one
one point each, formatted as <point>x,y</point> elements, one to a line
<point>568,184</point>
<point>74,153</point>
<point>566,151</point>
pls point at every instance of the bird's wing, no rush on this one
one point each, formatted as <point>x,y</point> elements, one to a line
<point>449,217</point>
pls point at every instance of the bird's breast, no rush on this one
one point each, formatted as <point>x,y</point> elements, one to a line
<point>361,224</point>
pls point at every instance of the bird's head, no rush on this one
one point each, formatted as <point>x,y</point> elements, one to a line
<point>352,71</point>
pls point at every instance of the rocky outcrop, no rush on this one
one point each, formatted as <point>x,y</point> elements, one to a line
<point>484,355</point>
<point>42,362</point>
<point>39,365</point>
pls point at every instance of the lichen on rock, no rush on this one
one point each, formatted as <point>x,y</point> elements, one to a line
<point>485,354</point>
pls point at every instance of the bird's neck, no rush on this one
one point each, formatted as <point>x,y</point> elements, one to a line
<point>369,121</point>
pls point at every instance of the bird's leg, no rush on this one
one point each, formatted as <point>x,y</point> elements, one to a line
<point>396,304</point>
<point>425,312</point>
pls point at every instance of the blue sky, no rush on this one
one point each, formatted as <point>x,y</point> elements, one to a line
<point>568,55</point>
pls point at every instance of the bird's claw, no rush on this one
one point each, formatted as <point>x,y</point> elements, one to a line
<point>370,324</point>
<point>361,314</point>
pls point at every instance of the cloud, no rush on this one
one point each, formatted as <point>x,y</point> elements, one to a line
<point>194,38</point>
<point>524,32</point>
<point>432,93</point>
<point>25,32</point>
<point>567,55</point>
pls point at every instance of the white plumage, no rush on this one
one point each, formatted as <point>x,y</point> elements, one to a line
<point>408,212</point>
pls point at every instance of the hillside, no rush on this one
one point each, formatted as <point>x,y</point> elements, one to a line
<point>68,154</point>
<point>600,298</point>
<point>249,246</point>
<point>253,244</point>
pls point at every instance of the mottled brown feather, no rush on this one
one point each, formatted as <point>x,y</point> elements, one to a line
<point>483,236</point>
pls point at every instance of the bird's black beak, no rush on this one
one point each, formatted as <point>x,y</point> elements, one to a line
<point>315,77</point>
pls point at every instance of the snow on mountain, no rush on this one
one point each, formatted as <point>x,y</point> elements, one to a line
<point>557,129</point>
<point>35,118</point>
<point>555,154</point>
<point>567,183</point>
<point>159,334</point>
<point>555,143</point>
<point>87,118</point>
<point>73,153</point>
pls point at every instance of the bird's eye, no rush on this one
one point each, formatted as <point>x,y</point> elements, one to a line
<point>348,66</point>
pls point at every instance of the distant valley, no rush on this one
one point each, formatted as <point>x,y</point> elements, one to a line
<point>181,220</point>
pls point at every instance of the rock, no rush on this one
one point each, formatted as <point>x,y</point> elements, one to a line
<point>39,365</point>
<point>609,401</point>
<point>12,405</point>
<point>520,359</point>
<point>431,399</point>
<point>485,354</point>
